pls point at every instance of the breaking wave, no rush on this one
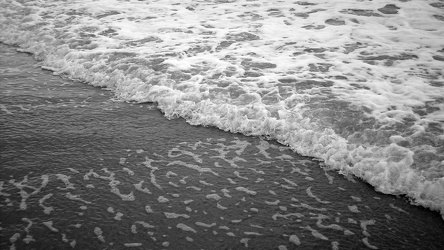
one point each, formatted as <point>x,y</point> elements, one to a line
<point>358,85</point>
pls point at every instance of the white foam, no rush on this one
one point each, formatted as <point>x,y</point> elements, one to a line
<point>175,152</point>
<point>73,243</point>
<point>25,195</point>
<point>244,241</point>
<point>226,192</point>
<point>315,233</point>
<point>186,202</point>
<point>335,245</point>
<point>148,209</point>
<point>355,198</point>
<point>285,216</point>
<point>64,239</point>
<point>49,224</point>
<point>329,177</point>
<point>14,238</point>
<point>287,187</point>
<point>257,171</point>
<point>246,190</point>
<point>283,208</point>
<point>320,217</point>
<point>74,170</point>
<point>162,199</point>
<point>148,164</point>
<point>365,223</point>
<point>205,224</point>
<point>173,184</point>
<point>290,182</point>
<point>46,210</point>
<point>99,233</point>
<point>205,183</point>
<point>28,239</point>
<point>298,170</point>
<point>132,244</point>
<point>259,180</point>
<point>193,166</point>
<point>272,203</point>
<point>118,216</point>
<point>183,180</point>
<point>186,228</point>
<point>352,221</point>
<point>144,224</point>
<point>175,215</point>
<point>170,173</point>
<point>253,233</point>
<point>128,171</point>
<point>65,180</point>
<point>303,205</point>
<point>353,209</point>
<point>295,240</point>
<point>215,197</point>
<point>76,198</point>
<point>254,77</point>
<point>398,209</point>
<point>367,244</point>
<point>231,181</point>
<point>256,226</point>
<point>138,186</point>
<point>194,188</point>
<point>124,197</point>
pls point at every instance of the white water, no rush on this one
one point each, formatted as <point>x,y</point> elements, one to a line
<point>92,171</point>
<point>352,83</point>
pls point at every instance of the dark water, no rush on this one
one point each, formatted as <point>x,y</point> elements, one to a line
<point>81,170</point>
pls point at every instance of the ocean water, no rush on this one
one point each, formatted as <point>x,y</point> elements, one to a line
<point>83,170</point>
<point>356,84</point>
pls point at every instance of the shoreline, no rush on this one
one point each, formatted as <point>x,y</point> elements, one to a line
<point>272,201</point>
<point>371,129</point>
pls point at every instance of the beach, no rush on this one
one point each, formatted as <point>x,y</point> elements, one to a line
<point>222,124</point>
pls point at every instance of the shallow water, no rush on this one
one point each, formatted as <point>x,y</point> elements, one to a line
<point>357,84</point>
<point>82,170</point>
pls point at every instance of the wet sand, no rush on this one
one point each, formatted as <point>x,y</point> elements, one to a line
<point>81,170</point>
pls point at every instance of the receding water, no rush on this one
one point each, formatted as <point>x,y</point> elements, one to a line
<point>81,170</point>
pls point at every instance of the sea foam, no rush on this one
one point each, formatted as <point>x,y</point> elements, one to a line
<point>358,85</point>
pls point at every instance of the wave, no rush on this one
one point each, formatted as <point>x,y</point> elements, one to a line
<point>357,85</point>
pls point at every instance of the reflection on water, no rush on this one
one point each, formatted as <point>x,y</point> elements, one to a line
<point>79,170</point>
